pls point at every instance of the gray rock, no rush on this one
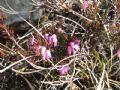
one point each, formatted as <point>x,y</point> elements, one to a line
<point>23,7</point>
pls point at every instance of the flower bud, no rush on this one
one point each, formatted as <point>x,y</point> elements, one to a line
<point>63,70</point>
<point>33,40</point>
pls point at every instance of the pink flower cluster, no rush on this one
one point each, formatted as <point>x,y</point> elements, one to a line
<point>73,47</point>
<point>63,70</point>
<point>40,50</point>
<point>118,53</point>
<point>85,4</point>
<point>51,39</point>
<point>45,53</point>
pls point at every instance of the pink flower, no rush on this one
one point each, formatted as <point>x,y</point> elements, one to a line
<point>51,39</point>
<point>54,40</point>
<point>33,40</point>
<point>60,30</point>
<point>63,70</point>
<point>70,48</point>
<point>43,49</point>
<point>76,48</point>
<point>46,54</point>
<point>77,41</point>
<point>46,36</point>
<point>73,47</point>
<point>85,4</point>
<point>118,53</point>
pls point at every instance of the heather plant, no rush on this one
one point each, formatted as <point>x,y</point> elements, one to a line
<point>73,46</point>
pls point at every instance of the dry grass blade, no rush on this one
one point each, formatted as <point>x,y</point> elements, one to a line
<point>101,82</point>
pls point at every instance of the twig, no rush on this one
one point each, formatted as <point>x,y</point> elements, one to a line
<point>74,12</point>
<point>72,21</point>
<point>28,82</point>
<point>13,64</point>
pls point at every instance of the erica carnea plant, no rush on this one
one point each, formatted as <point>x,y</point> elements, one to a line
<point>73,46</point>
